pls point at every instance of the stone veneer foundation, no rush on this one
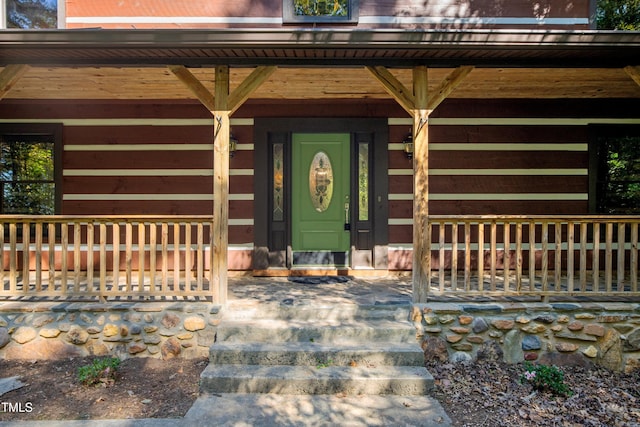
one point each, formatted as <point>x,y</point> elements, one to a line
<point>556,333</point>
<point>46,330</point>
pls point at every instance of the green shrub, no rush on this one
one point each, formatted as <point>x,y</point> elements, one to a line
<point>543,377</point>
<point>100,371</point>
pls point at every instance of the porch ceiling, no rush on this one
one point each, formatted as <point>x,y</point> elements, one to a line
<point>320,83</point>
<point>320,63</point>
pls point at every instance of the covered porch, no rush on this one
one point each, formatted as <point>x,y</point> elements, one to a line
<point>132,256</point>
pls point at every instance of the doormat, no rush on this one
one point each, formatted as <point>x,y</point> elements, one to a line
<point>319,280</point>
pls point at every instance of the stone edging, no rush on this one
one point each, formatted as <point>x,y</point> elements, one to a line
<point>32,330</point>
<point>554,333</point>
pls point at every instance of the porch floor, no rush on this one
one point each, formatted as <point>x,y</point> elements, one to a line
<point>392,289</point>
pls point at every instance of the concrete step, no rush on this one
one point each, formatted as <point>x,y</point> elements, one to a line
<point>396,380</point>
<point>325,331</point>
<point>315,354</point>
<point>232,410</point>
<point>244,310</point>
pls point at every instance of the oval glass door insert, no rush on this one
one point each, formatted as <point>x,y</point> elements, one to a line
<point>321,181</point>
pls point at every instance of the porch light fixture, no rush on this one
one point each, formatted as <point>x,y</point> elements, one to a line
<point>233,144</point>
<point>407,146</point>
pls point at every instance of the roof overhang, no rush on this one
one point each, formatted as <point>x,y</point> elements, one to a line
<point>320,47</point>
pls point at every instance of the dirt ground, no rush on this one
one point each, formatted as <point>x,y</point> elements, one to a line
<point>144,388</point>
<point>481,393</point>
<point>489,393</point>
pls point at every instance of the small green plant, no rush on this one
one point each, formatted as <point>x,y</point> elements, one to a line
<point>323,363</point>
<point>100,371</point>
<point>543,377</point>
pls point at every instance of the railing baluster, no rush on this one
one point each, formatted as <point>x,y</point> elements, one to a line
<point>633,270</point>
<point>570,255</point>
<point>557,273</point>
<point>26,240</point>
<point>608,266</point>
<point>506,255</point>
<point>480,256</point>
<point>103,261</point>
<point>621,255</point>
<point>454,255</point>
<point>441,255</point>
<point>13,257</point>
<point>165,256</point>
<point>200,256</point>
<point>583,256</point>
<point>176,256</point>
<point>532,256</point>
<point>115,232</point>
<point>545,256</point>
<point>128,255</point>
<point>493,253</point>
<point>595,258</point>
<point>467,256</point>
<point>38,255</point>
<point>519,258</point>
<point>64,242</point>
<point>142,240</point>
<point>90,241</point>
<point>187,256</point>
<point>153,261</point>
<point>51,240</point>
<point>77,258</point>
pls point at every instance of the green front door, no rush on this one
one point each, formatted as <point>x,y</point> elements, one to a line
<point>320,199</point>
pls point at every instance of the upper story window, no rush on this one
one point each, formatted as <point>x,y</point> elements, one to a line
<point>30,14</point>
<point>320,11</point>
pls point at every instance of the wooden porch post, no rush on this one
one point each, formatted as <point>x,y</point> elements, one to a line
<point>222,104</point>
<point>220,235</point>
<point>421,235</point>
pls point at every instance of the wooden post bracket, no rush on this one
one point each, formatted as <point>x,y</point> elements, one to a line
<point>10,76</point>
<point>633,72</point>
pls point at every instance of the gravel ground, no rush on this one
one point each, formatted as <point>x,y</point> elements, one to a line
<point>489,393</point>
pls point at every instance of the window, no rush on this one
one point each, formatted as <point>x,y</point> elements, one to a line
<point>28,173</point>
<point>327,11</point>
<point>30,14</point>
<point>618,172</point>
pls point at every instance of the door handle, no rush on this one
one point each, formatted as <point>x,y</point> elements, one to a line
<point>347,225</point>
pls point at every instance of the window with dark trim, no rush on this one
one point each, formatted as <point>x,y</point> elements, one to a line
<point>29,172</point>
<point>618,171</point>
<point>320,11</point>
<point>31,14</point>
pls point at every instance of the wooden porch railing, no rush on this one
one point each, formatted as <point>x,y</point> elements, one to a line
<point>533,255</point>
<point>106,256</point>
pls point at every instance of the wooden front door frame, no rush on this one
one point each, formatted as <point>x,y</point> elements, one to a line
<point>265,258</point>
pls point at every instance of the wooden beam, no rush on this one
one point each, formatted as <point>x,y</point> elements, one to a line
<point>634,73</point>
<point>394,87</point>
<point>194,85</point>
<point>220,234</point>
<point>421,236</point>
<point>248,86</point>
<point>10,76</point>
<point>448,85</point>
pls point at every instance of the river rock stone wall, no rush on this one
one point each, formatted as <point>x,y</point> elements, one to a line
<point>558,333</point>
<point>151,329</point>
